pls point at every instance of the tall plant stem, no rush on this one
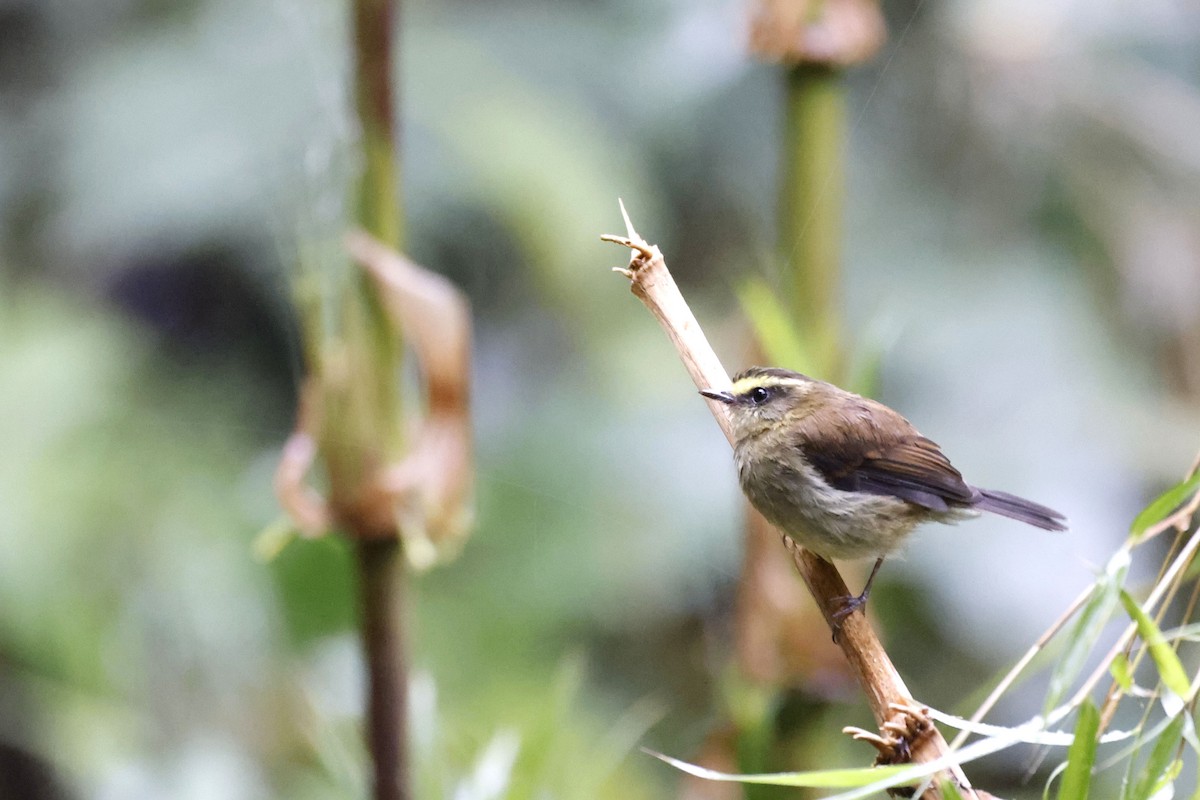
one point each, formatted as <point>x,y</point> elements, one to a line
<point>379,559</point>
<point>380,590</point>
<point>810,207</point>
<point>375,100</point>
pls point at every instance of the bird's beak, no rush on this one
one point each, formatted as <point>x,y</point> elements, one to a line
<point>724,397</point>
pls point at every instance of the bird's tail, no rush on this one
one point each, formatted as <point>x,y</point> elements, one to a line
<point>1018,508</point>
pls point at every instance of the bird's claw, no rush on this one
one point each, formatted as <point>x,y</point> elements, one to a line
<point>848,605</point>
<point>845,607</point>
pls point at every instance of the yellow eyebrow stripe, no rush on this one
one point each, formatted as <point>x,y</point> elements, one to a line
<point>766,381</point>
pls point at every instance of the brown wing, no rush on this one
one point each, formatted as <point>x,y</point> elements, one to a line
<point>864,446</point>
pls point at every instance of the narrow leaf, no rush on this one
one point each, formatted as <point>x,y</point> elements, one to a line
<point>777,335</point>
<point>817,779</point>
<point>1087,629</point>
<point>1120,672</point>
<point>1161,507</point>
<point>949,790</point>
<point>272,540</point>
<point>864,374</point>
<point>1160,769</point>
<point>1189,733</point>
<point>1170,670</point>
<point>1168,778</point>
<point>1031,732</point>
<point>1054,773</point>
<point>1187,633</point>
<point>867,360</point>
<point>1144,734</point>
<point>889,777</point>
<point>1082,755</point>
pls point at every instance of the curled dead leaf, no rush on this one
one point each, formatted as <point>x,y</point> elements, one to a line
<point>433,483</point>
<point>425,496</point>
<point>834,33</point>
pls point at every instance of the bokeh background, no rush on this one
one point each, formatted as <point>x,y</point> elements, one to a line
<point>1022,248</point>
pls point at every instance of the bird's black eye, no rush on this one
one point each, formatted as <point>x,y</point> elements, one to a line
<point>759,395</point>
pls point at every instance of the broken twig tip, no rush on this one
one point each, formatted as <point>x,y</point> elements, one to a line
<point>629,229</point>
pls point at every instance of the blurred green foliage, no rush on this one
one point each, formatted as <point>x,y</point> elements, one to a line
<point>1020,225</point>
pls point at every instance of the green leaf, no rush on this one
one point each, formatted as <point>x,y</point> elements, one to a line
<point>1170,670</point>
<point>272,539</point>
<point>1162,767</point>
<point>1187,633</point>
<point>1192,572</point>
<point>1082,755</point>
<point>1170,775</point>
<point>1162,506</point>
<point>949,790</point>
<point>1054,773</point>
<point>864,376</point>
<point>773,328</point>
<point>1087,629</point>
<point>1119,668</point>
<point>817,779</point>
<point>1189,733</point>
<point>867,359</point>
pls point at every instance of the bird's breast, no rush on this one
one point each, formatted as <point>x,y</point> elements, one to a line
<point>793,496</point>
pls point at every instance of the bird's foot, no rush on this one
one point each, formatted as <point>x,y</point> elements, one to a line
<point>844,607</point>
<point>848,605</point>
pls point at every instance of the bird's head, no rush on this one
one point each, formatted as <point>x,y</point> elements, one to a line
<point>762,399</point>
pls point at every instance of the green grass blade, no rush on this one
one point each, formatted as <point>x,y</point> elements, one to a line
<point>884,777</point>
<point>1087,629</point>
<point>1162,767</point>
<point>1082,756</point>
<point>773,327</point>
<point>949,790</point>
<point>816,779</point>
<point>1163,505</point>
<point>1170,670</point>
<point>272,540</point>
<point>1189,733</point>
<point>1054,773</point>
<point>1119,668</point>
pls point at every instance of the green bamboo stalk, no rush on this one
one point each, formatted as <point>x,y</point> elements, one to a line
<point>379,558</point>
<point>379,210</point>
<point>814,41</point>
<point>810,208</point>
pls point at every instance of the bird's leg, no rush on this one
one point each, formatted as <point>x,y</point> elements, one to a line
<point>848,605</point>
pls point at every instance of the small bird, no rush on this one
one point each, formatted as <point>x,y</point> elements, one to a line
<point>845,476</point>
